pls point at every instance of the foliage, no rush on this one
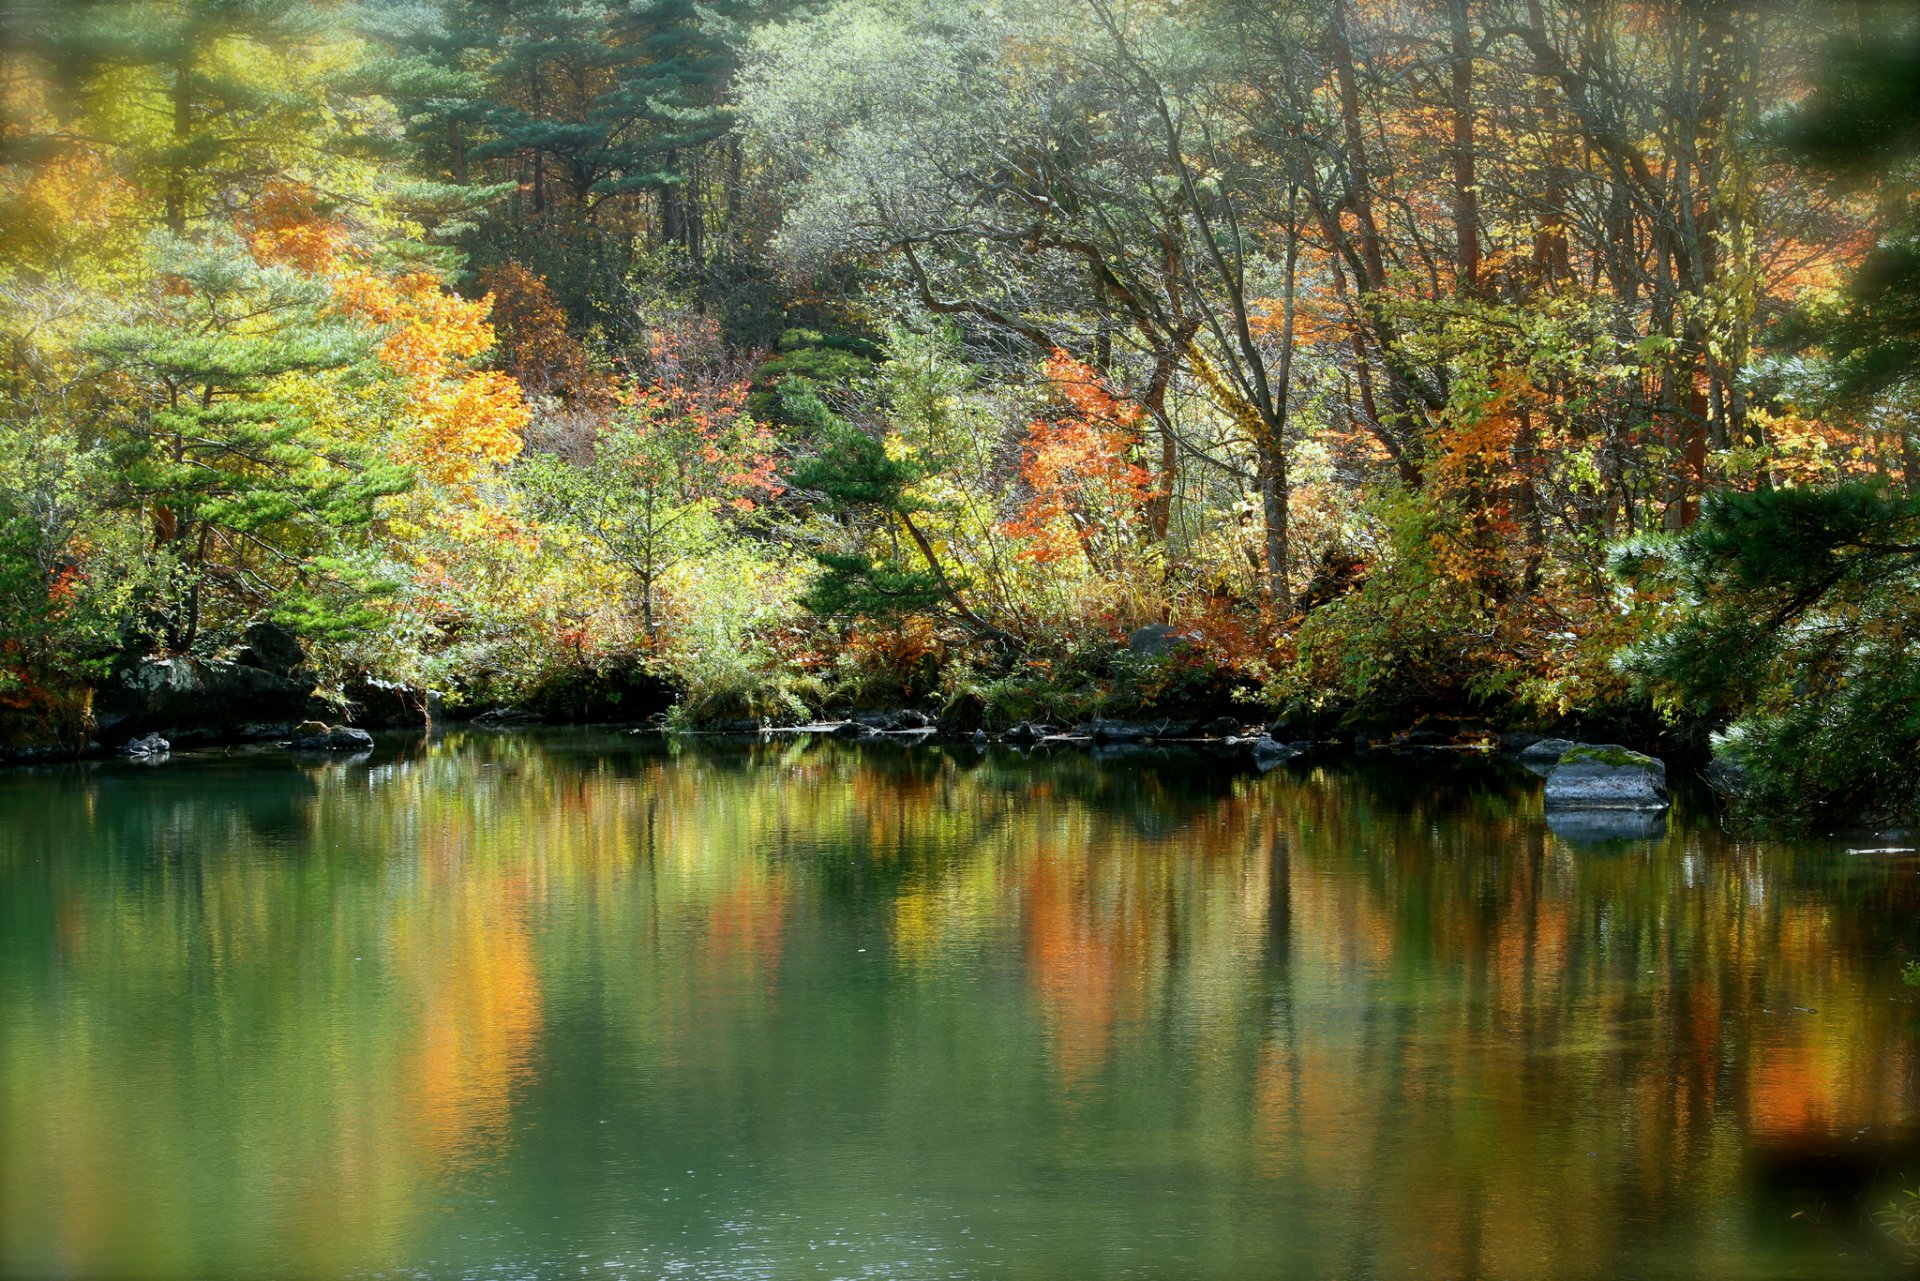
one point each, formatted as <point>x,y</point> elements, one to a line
<point>243,486</point>
<point>1796,616</point>
<point>666,474</point>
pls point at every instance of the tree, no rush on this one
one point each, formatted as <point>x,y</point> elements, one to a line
<point>866,486</point>
<point>665,474</point>
<point>1798,608</point>
<point>244,494</point>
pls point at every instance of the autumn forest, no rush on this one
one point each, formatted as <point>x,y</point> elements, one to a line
<point>1357,365</point>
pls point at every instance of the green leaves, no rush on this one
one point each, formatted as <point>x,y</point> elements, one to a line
<point>1799,624</point>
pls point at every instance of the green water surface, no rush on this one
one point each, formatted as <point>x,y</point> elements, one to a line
<point>586,1004</point>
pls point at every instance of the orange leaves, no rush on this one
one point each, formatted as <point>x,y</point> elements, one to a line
<point>289,232</point>
<point>464,423</point>
<point>1085,489</point>
<point>458,419</point>
<point>534,345</point>
<point>1478,467</point>
<point>462,419</point>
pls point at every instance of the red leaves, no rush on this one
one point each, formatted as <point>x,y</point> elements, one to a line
<point>1084,486</point>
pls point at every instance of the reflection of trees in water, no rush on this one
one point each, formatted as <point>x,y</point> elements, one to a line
<point>1325,989</point>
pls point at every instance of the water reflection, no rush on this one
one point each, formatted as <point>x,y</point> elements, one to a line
<point>792,1010</point>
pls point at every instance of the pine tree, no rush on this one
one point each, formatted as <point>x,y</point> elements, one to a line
<point>867,489</point>
<point>250,502</point>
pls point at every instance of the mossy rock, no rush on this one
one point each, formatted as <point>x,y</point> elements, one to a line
<point>1614,755</point>
<point>1607,776</point>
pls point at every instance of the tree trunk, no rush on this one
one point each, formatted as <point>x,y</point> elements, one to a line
<point>1466,197</point>
<point>176,198</point>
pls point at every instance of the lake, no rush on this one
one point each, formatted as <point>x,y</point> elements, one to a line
<point>577,1003</point>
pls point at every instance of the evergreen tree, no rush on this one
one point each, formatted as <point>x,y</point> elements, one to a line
<point>253,506</point>
<point>867,489</point>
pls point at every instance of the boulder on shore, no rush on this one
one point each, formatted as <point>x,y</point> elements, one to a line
<point>1156,640</point>
<point>150,745</point>
<point>199,700</point>
<point>1606,776</point>
<point>378,704</point>
<point>271,647</point>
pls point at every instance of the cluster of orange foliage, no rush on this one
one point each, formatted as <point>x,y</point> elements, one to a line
<point>461,419</point>
<point>739,462</point>
<point>1084,487</point>
<point>534,344</point>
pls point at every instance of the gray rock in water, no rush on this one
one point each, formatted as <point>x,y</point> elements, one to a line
<point>337,738</point>
<point>508,717</point>
<point>1221,727</point>
<point>151,745</point>
<point>1546,751</point>
<point>1155,640</point>
<point>389,705</point>
<point>1118,731</point>
<point>894,722</point>
<point>198,700</point>
<point>1027,732</point>
<point>1267,751</point>
<point>1606,776</point>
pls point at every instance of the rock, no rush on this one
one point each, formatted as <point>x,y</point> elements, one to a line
<point>271,647</point>
<point>1155,640</point>
<point>1027,732</point>
<point>1417,740</point>
<point>1105,731</point>
<point>151,745</point>
<point>310,729</point>
<point>851,729</point>
<point>506,717</point>
<point>382,704</point>
<point>1269,752</point>
<point>1606,776</point>
<point>1221,727</point>
<point>337,738</point>
<point>1542,755</point>
<point>1517,741</point>
<point>894,722</point>
<point>199,700</point>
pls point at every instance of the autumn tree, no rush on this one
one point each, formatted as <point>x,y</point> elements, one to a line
<point>665,475</point>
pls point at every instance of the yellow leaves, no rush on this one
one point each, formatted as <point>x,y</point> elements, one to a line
<point>462,425</point>
<point>65,214</point>
<point>459,420</point>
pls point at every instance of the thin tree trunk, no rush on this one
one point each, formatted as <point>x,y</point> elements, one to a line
<point>1466,198</point>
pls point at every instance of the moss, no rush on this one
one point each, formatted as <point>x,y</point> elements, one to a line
<point>1608,754</point>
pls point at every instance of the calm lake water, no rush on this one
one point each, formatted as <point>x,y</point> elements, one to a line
<point>580,1004</point>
